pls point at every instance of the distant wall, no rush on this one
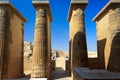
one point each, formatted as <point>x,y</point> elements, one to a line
<point>93,63</point>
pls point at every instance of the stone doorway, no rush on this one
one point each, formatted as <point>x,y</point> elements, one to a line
<point>59,71</point>
<point>59,59</point>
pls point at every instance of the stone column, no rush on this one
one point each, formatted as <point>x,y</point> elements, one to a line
<point>3,25</point>
<point>40,43</point>
<point>78,47</point>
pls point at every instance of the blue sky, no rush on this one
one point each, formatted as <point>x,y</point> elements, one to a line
<point>59,25</point>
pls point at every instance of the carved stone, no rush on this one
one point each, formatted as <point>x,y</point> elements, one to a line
<point>114,38</point>
<point>108,32</point>
<point>78,47</point>
<point>40,44</point>
<point>3,25</point>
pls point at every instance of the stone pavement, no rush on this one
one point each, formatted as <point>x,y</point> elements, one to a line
<point>60,75</point>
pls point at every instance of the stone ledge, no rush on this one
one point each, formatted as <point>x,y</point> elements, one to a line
<point>7,3</point>
<point>75,2</point>
<point>4,1</point>
<point>45,4</point>
<point>87,74</point>
<point>27,79</point>
<point>40,1</point>
<point>104,8</point>
<point>79,1</point>
<point>115,1</point>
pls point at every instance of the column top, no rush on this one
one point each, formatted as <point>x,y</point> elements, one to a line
<point>79,1</point>
<point>4,1</point>
<point>45,4</point>
<point>40,1</point>
<point>7,3</point>
<point>75,2</point>
<point>105,8</point>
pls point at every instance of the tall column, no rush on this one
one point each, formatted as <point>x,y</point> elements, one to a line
<point>40,43</point>
<point>42,40</point>
<point>78,38</point>
<point>78,47</point>
<point>3,25</point>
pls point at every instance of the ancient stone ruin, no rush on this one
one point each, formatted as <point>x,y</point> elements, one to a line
<point>40,56</point>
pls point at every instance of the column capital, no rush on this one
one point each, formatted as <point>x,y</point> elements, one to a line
<point>81,3</point>
<point>43,3</point>
<point>4,1</point>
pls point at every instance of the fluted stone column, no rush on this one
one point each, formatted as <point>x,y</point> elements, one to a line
<point>77,38</point>
<point>40,43</point>
<point>3,25</point>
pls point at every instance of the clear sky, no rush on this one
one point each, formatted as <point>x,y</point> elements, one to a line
<point>59,25</point>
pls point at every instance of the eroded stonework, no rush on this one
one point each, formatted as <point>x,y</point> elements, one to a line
<point>3,25</point>
<point>114,37</point>
<point>108,32</point>
<point>78,47</point>
<point>77,35</point>
<point>28,49</point>
<point>40,44</point>
<point>11,55</point>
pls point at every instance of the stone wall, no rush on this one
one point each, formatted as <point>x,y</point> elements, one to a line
<point>4,21</point>
<point>12,58</point>
<point>15,46</point>
<point>93,63</point>
<point>102,34</point>
<point>28,49</point>
<point>87,74</point>
<point>108,29</point>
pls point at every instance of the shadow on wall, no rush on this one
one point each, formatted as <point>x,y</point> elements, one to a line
<point>114,60</point>
<point>101,48</point>
<point>68,63</point>
<point>8,39</point>
<point>80,58</point>
<point>59,69</point>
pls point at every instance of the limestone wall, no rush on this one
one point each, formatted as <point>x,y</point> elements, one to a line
<point>93,63</point>
<point>108,38</point>
<point>14,40</point>
<point>28,49</point>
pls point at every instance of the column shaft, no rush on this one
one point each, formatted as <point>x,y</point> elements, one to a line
<point>78,47</point>
<point>40,44</point>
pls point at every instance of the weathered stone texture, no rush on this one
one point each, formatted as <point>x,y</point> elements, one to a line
<point>93,63</point>
<point>3,26</point>
<point>108,31</point>
<point>11,43</point>
<point>77,38</point>
<point>28,49</point>
<point>40,44</point>
<point>87,74</point>
<point>78,46</point>
<point>113,63</point>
